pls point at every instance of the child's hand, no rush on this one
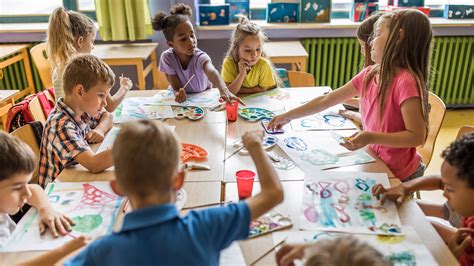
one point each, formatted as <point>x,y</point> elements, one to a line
<point>460,241</point>
<point>180,95</point>
<point>278,121</point>
<point>350,115</point>
<point>252,139</point>
<point>74,244</point>
<point>57,223</point>
<point>397,194</point>
<point>125,83</point>
<point>228,96</point>
<point>290,252</point>
<point>95,136</point>
<point>358,140</point>
<point>243,67</point>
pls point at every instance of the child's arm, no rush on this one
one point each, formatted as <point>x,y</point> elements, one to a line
<point>316,105</point>
<point>114,101</point>
<point>95,163</point>
<point>57,254</point>
<point>271,191</point>
<point>179,91</point>
<point>55,221</point>
<point>400,192</point>
<point>97,134</point>
<point>412,136</point>
<point>460,241</point>
<point>216,80</point>
<point>236,86</point>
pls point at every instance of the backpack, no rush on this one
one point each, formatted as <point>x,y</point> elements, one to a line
<point>19,115</point>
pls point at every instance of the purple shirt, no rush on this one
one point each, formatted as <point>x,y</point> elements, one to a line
<point>170,64</point>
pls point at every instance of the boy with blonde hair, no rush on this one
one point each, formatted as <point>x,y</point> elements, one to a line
<point>77,120</point>
<point>154,233</point>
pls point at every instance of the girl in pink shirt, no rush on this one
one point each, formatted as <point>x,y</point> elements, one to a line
<point>394,93</point>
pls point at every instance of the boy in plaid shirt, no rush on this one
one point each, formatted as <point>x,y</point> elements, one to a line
<point>77,120</point>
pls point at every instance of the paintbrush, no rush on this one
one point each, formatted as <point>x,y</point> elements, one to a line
<point>125,206</point>
<point>269,251</point>
<point>206,205</point>
<point>233,153</point>
<point>189,80</point>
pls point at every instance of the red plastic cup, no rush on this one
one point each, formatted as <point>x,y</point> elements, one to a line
<point>245,180</point>
<point>231,109</point>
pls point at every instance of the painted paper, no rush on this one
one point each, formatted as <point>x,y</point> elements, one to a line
<point>406,250</point>
<point>135,108</point>
<point>92,205</point>
<point>206,99</point>
<point>325,120</point>
<point>343,202</point>
<point>319,150</point>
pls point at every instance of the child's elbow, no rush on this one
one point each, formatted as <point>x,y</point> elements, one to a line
<point>278,195</point>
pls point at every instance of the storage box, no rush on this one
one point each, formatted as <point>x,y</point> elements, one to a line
<point>315,11</point>
<point>361,11</point>
<point>237,8</point>
<point>365,1</point>
<point>423,9</point>
<point>458,11</point>
<point>408,2</point>
<point>210,15</point>
<point>283,12</point>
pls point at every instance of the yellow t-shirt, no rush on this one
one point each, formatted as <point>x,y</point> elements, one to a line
<point>260,75</point>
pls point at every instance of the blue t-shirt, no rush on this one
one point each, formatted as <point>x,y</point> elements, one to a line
<point>158,236</point>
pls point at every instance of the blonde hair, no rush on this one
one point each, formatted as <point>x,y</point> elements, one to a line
<point>87,70</point>
<point>343,251</point>
<point>63,30</point>
<point>146,155</point>
<point>412,52</point>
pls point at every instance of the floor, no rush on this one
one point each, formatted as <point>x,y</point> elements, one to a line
<point>453,120</point>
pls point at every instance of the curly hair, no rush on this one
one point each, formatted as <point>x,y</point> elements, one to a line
<point>460,154</point>
<point>167,23</point>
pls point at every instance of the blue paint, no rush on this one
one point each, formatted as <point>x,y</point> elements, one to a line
<point>296,143</point>
<point>334,120</point>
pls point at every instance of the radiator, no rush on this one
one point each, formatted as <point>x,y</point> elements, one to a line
<point>334,61</point>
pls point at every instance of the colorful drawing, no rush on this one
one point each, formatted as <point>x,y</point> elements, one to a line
<point>343,202</point>
<point>190,112</point>
<point>271,100</point>
<point>135,108</point>
<point>253,114</point>
<point>206,99</point>
<point>328,119</point>
<point>319,150</point>
<point>407,250</point>
<point>93,206</point>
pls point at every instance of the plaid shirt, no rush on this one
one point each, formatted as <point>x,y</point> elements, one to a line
<point>64,137</point>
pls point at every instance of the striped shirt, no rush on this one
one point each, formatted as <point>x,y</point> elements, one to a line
<point>64,137</point>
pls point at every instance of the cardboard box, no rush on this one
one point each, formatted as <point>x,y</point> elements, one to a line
<point>361,11</point>
<point>238,8</point>
<point>315,11</point>
<point>211,15</point>
<point>458,11</point>
<point>283,12</point>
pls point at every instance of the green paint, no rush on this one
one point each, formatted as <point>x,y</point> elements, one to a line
<point>402,258</point>
<point>365,197</point>
<point>87,223</point>
<point>51,188</point>
<point>367,215</point>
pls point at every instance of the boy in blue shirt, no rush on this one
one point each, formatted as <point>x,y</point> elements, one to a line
<point>146,157</point>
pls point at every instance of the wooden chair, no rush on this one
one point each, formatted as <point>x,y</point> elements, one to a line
<point>40,59</point>
<point>36,110</point>
<point>3,114</point>
<point>436,117</point>
<point>27,135</point>
<point>300,79</point>
<point>464,130</point>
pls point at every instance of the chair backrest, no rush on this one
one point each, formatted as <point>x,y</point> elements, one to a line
<point>436,117</point>
<point>27,134</point>
<point>300,79</point>
<point>38,54</point>
<point>464,130</point>
<point>3,114</point>
<point>36,110</point>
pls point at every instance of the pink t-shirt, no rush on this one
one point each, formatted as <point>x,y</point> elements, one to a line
<point>467,257</point>
<point>402,161</point>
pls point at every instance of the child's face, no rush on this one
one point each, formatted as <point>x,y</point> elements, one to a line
<point>85,45</point>
<point>381,33</point>
<point>94,100</point>
<point>457,192</point>
<point>250,50</point>
<point>14,192</point>
<point>184,39</point>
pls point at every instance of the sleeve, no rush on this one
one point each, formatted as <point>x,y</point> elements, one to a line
<point>226,224</point>
<point>202,59</point>
<point>68,143</point>
<point>167,63</point>
<point>229,71</point>
<point>405,88</point>
<point>266,78</point>
<point>358,80</point>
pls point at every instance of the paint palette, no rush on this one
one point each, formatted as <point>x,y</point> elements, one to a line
<point>270,222</point>
<point>254,114</point>
<point>192,152</point>
<point>189,112</point>
<point>268,142</point>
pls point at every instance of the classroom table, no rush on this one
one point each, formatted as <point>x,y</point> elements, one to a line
<point>20,53</point>
<point>133,54</point>
<point>289,52</point>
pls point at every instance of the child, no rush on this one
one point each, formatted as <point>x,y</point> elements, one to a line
<point>183,61</point>
<point>71,33</point>
<point>154,232</point>
<point>457,181</point>
<point>245,70</point>
<point>77,120</point>
<point>341,251</point>
<point>393,93</point>
<point>18,163</point>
